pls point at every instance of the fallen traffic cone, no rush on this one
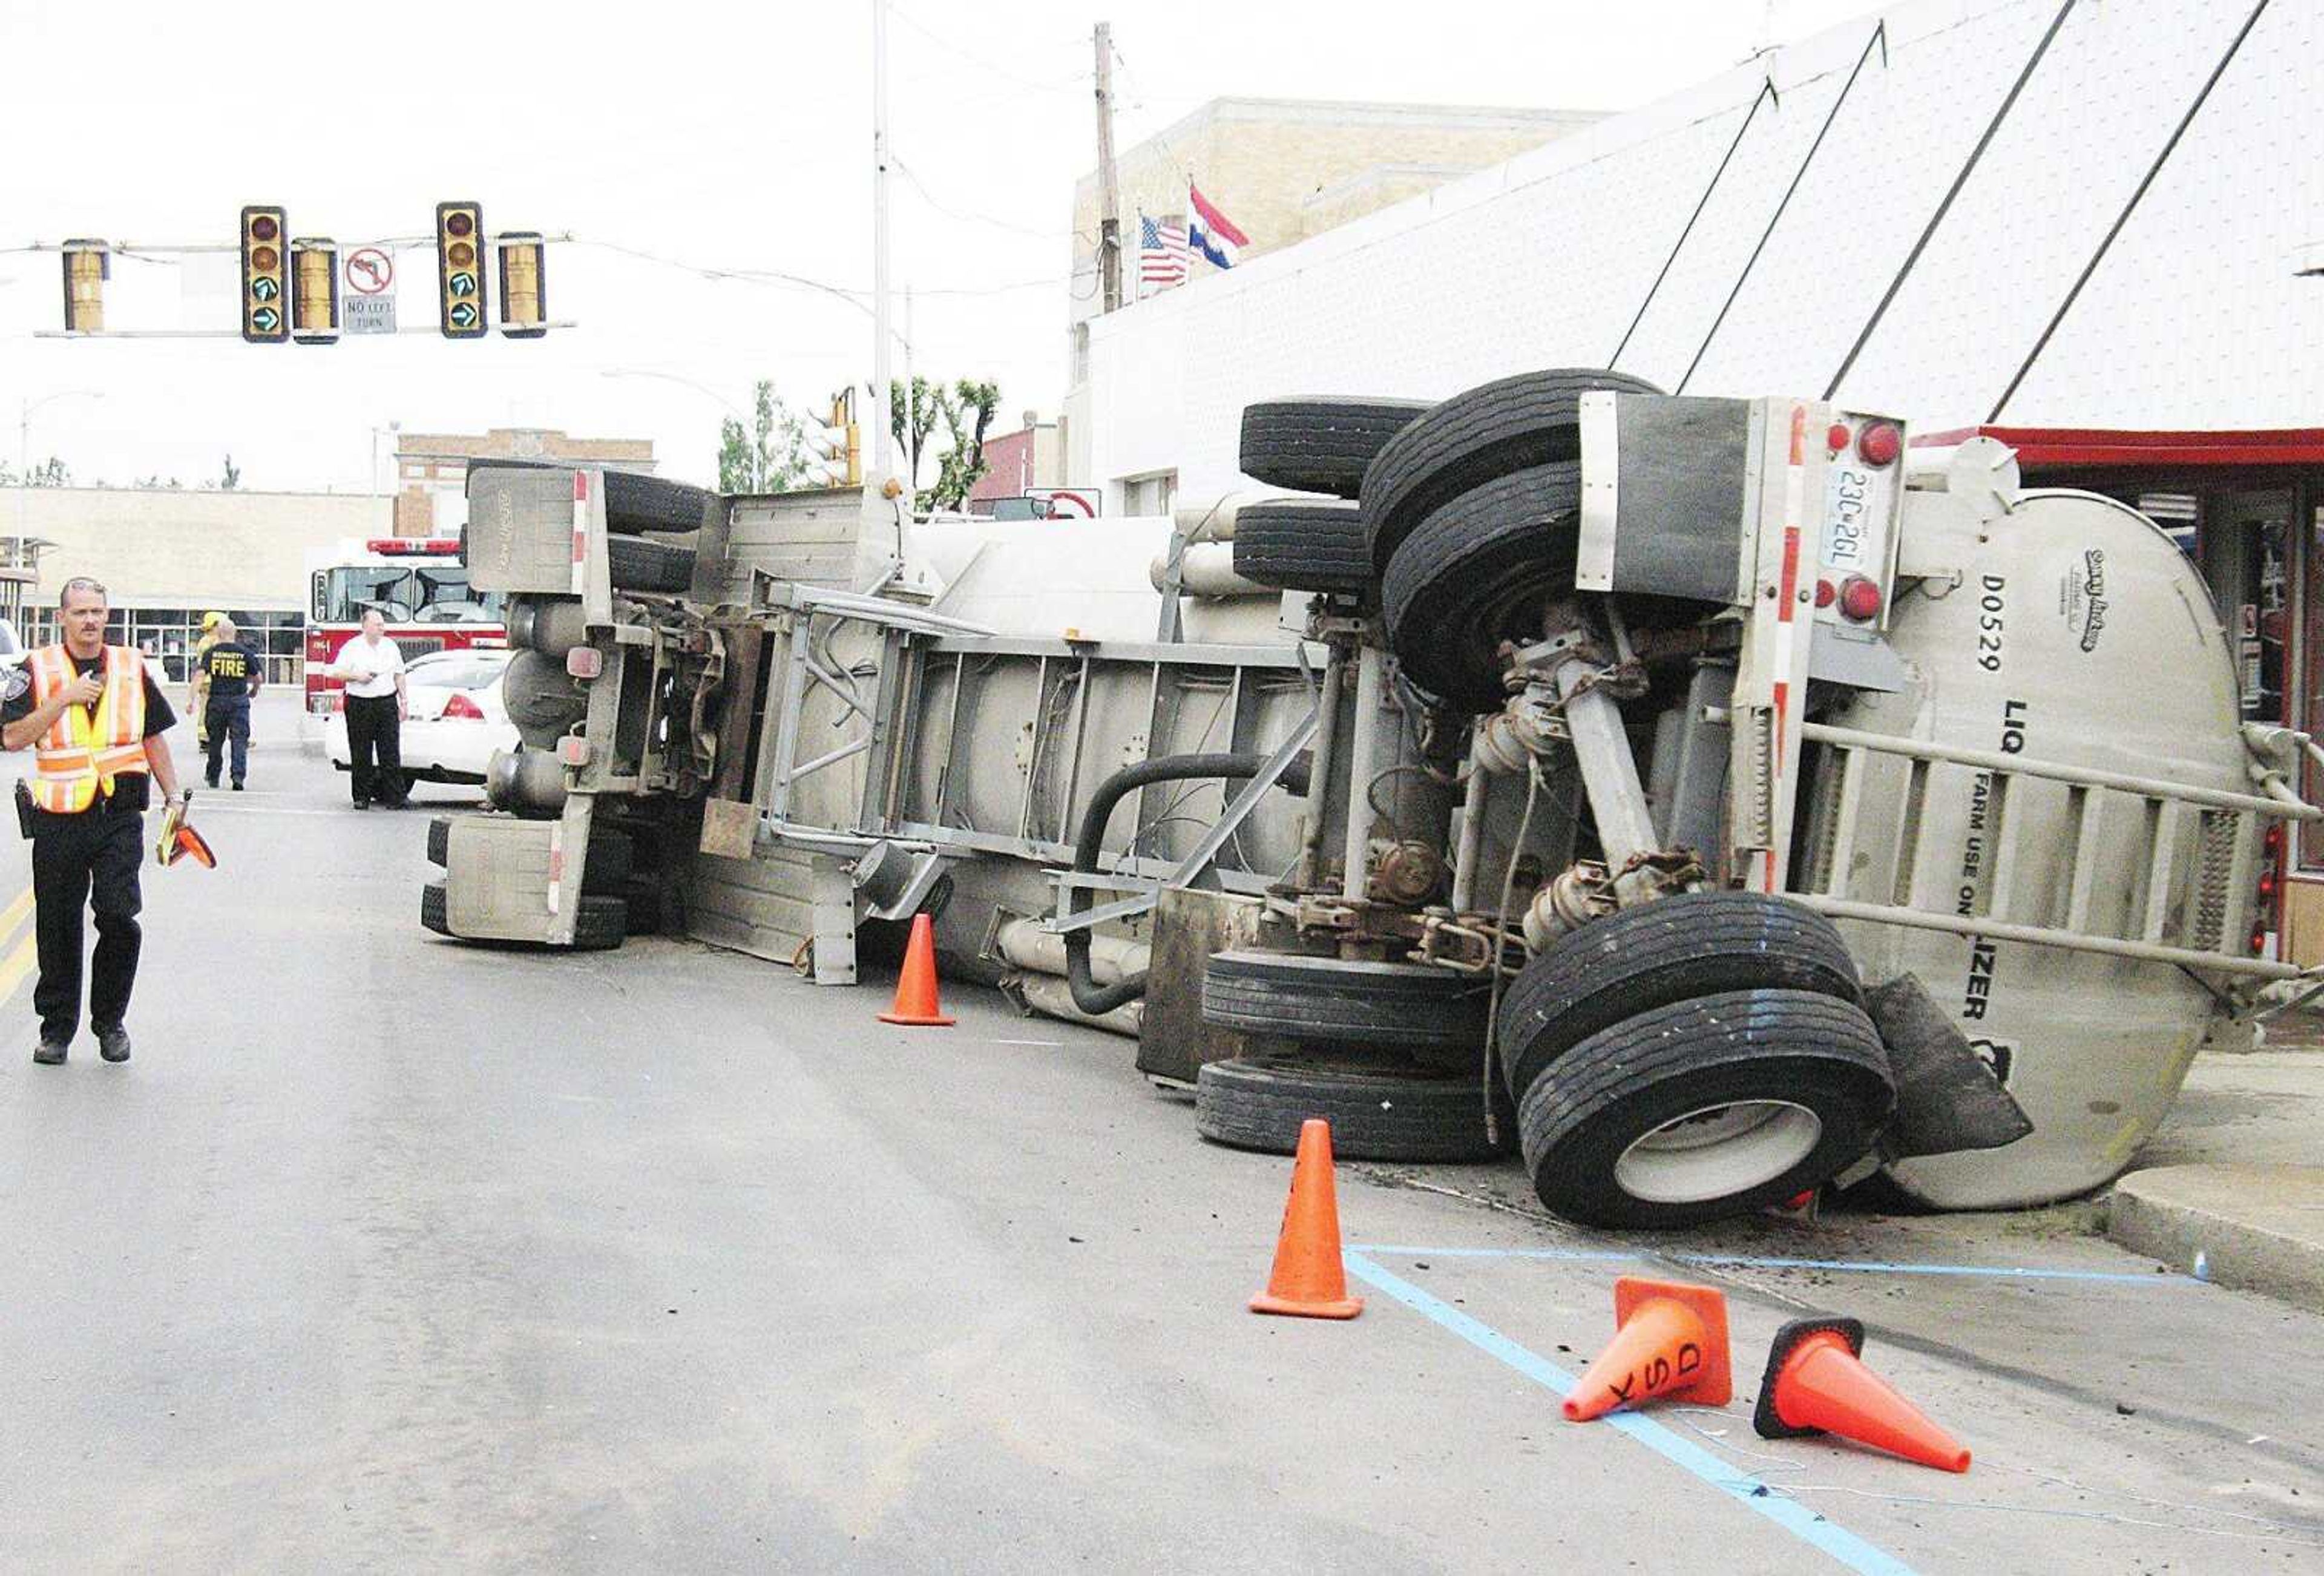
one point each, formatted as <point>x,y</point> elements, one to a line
<point>916,987</point>
<point>1670,1344</point>
<point>1815,1385</point>
<point>1309,1280</point>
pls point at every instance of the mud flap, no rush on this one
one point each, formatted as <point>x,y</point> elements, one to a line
<point>1947,1099</point>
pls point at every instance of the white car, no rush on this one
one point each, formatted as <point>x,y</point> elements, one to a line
<point>456,718</point>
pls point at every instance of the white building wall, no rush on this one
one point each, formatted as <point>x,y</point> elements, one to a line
<point>2194,319</point>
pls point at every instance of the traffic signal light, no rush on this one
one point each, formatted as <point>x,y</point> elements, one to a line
<point>839,444</point>
<point>266,277</point>
<point>88,265</point>
<point>524,285</point>
<point>460,269</point>
<point>315,291</point>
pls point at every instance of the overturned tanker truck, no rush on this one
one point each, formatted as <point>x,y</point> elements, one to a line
<point>1712,799</point>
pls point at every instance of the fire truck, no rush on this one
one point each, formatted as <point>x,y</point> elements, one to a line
<point>418,584</point>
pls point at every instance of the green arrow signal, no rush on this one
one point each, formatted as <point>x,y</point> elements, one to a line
<point>266,320</point>
<point>464,316</point>
<point>265,288</point>
<point>463,284</point>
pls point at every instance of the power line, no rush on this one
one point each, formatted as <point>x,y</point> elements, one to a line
<point>997,69</point>
<point>949,212</point>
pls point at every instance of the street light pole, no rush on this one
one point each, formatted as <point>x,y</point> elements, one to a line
<point>881,393</point>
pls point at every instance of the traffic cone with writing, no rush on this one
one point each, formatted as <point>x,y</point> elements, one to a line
<point>1670,1344</point>
<point>1814,1384</point>
<point>916,987</point>
<point>1309,1281</point>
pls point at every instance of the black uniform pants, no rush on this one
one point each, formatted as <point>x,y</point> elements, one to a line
<point>228,719</point>
<point>87,861</point>
<point>375,734</point>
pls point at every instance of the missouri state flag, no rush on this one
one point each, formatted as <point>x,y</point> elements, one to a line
<point>1211,232</point>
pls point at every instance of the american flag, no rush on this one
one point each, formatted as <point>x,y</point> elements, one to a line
<point>1162,254</point>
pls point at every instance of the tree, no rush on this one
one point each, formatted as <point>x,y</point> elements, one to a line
<point>233,477</point>
<point>910,428</point>
<point>156,484</point>
<point>51,472</point>
<point>967,414</point>
<point>772,456</point>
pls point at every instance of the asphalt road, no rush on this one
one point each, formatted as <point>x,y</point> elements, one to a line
<point>388,1253</point>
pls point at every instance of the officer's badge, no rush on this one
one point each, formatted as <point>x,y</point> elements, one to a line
<point>19,680</point>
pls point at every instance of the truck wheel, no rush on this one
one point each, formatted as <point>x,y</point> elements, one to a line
<point>1329,1000</point>
<point>543,700</point>
<point>633,503</point>
<point>435,908</point>
<point>1671,950</point>
<point>551,625</point>
<point>1474,574</point>
<point>635,564</point>
<point>1706,1109</point>
<point>439,840</point>
<point>1379,1109</point>
<point>1321,443</point>
<point>1303,547</point>
<point>602,925</point>
<point>1472,438</point>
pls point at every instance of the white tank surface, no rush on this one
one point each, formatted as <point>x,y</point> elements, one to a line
<point>2078,634</point>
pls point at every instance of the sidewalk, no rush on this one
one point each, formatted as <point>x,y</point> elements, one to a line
<point>2232,1186</point>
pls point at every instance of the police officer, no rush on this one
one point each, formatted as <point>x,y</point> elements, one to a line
<point>95,719</point>
<point>229,675</point>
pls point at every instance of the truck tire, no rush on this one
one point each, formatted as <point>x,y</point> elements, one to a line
<point>1298,545</point>
<point>435,908</point>
<point>551,625</point>
<point>602,925</point>
<point>635,564</point>
<point>1320,442</point>
<point>1706,1109</point>
<point>1475,574</point>
<point>1377,1108</point>
<point>1329,1000</point>
<point>1472,438</point>
<point>543,700</point>
<point>1671,950</point>
<point>633,503</point>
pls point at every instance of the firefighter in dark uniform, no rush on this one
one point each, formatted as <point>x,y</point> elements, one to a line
<point>95,718</point>
<point>230,677</point>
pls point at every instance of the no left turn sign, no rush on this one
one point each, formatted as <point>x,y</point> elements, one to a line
<point>370,271</point>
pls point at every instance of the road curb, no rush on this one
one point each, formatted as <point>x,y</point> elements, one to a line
<point>2258,1228</point>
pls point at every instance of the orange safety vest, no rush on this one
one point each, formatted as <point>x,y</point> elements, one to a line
<point>79,756</point>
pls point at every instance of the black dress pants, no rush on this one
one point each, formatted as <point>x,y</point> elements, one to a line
<point>87,861</point>
<point>375,749</point>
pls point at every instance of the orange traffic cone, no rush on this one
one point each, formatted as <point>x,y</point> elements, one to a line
<point>1815,1385</point>
<point>1309,1280</point>
<point>1670,1344</point>
<point>916,987</point>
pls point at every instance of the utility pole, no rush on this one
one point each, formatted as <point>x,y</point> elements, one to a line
<point>880,376</point>
<point>1108,223</point>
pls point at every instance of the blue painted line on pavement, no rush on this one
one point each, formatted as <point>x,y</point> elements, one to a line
<point>1798,1519</point>
<point>1746,1261</point>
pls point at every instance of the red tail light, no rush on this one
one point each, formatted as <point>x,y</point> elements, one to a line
<point>461,707</point>
<point>1825,593</point>
<point>1879,444</point>
<point>1859,599</point>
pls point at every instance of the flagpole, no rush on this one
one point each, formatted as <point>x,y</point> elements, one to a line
<point>882,453</point>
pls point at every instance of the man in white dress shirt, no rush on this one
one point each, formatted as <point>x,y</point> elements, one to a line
<point>372,666</point>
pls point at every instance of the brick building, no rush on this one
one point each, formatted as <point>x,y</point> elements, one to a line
<point>1017,461</point>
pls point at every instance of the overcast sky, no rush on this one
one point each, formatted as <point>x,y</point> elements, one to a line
<point>712,135</point>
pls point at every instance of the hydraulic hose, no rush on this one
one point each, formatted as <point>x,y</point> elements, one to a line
<point>1089,995</point>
